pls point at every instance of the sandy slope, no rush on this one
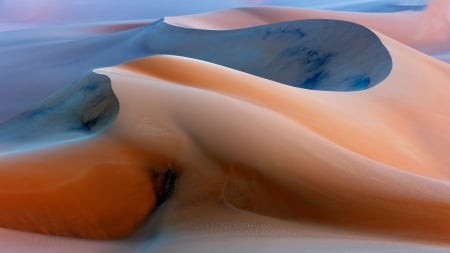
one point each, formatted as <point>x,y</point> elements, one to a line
<point>306,53</point>
<point>373,160</point>
<point>427,30</point>
<point>71,52</point>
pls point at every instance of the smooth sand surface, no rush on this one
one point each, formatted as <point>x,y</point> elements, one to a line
<point>227,128</point>
<point>94,189</point>
<point>22,242</point>
<point>427,30</point>
<point>314,54</point>
<point>258,166</point>
<point>310,155</point>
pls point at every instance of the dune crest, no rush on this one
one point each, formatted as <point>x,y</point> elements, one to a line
<point>62,176</point>
<point>314,54</point>
<point>427,30</point>
<point>288,145</point>
<point>86,108</point>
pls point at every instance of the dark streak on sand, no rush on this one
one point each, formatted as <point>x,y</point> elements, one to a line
<point>164,183</point>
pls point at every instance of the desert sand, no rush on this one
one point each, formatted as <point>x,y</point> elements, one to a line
<point>200,152</point>
<point>427,30</point>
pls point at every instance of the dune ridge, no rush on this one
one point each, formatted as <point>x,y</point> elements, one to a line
<point>311,54</point>
<point>86,108</point>
<point>363,196</point>
<point>426,30</point>
<point>286,52</point>
<point>156,130</point>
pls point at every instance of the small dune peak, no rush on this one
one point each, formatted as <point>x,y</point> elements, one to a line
<point>82,109</point>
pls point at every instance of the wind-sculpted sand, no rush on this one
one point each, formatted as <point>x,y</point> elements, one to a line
<point>308,54</point>
<point>319,135</point>
<point>427,30</point>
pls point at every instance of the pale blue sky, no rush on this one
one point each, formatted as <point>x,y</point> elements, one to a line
<point>38,12</point>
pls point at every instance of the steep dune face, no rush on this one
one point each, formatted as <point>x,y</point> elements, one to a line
<point>79,111</point>
<point>309,54</point>
<point>427,30</point>
<point>362,115</point>
<point>60,177</point>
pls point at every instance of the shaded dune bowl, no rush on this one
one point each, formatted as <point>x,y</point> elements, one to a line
<point>314,54</point>
<point>96,159</point>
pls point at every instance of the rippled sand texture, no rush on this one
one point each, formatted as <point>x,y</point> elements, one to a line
<point>319,135</point>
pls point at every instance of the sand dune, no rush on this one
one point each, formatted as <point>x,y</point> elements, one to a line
<point>79,111</point>
<point>286,52</point>
<point>66,51</point>
<point>315,134</point>
<point>312,54</point>
<point>197,123</point>
<point>285,131</point>
<point>427,30</point>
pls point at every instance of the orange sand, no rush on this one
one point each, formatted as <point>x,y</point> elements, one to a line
<point>92,189</point>
<point>329,157</point>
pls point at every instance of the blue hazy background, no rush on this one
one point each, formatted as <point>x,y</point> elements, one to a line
<point>19,14</point>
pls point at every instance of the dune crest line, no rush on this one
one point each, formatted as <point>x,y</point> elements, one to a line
<point>315,54</point>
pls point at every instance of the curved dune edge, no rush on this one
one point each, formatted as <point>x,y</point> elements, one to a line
<point>427,30</point>
<point>317,54</point>
<point>280,51</point>
<point>61,176</point>
<point>358,119</point>
<point>79,111</point>
<point>237,128</point>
